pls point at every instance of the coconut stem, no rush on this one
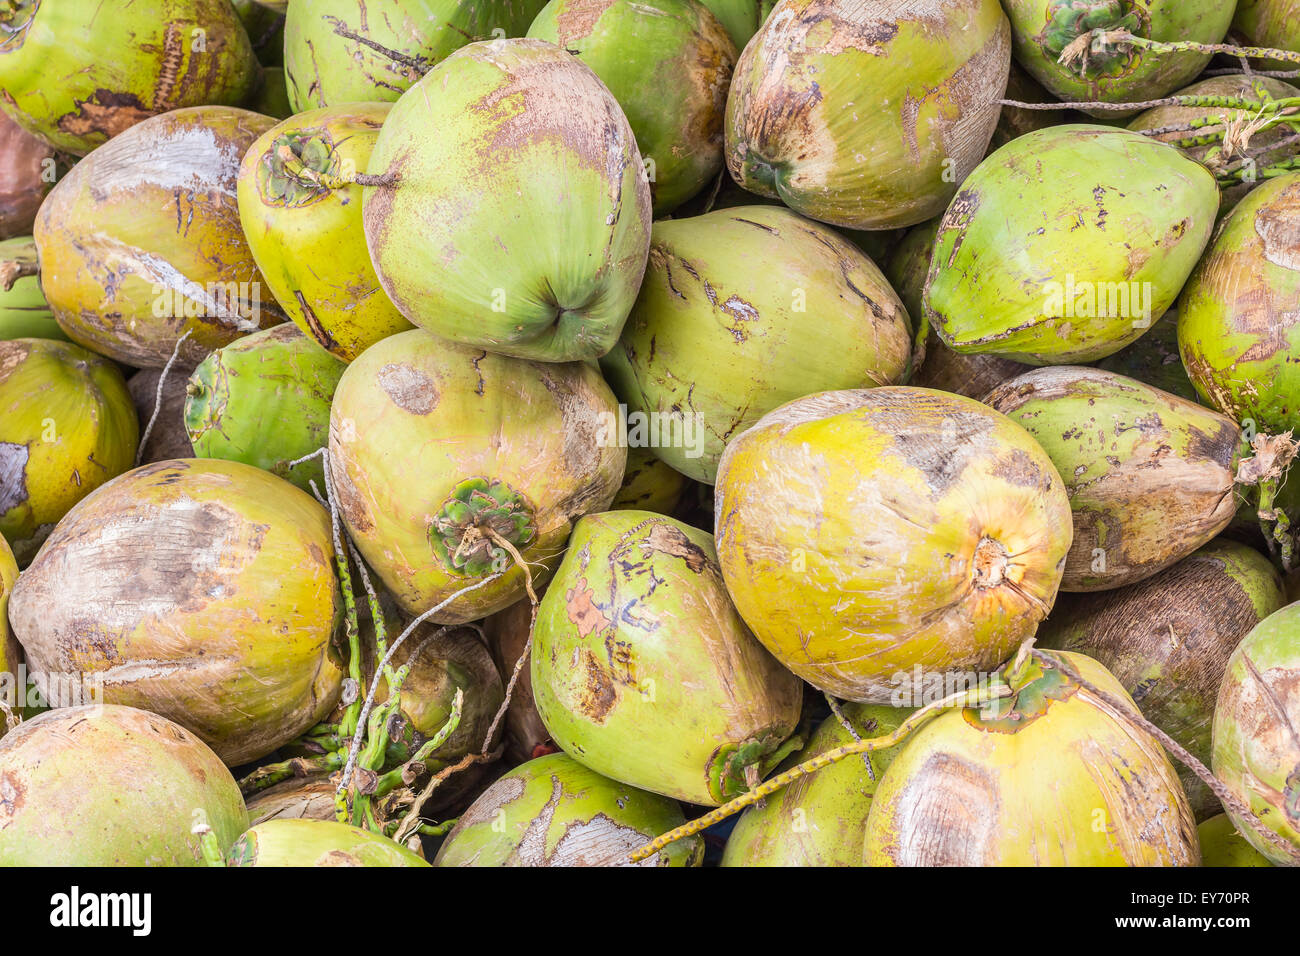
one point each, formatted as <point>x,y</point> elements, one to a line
<point>417,65</point>
<point>411,822</point>
<point>158,396</point>
<point>967,698</point>
<point>1221,790</point>
<point>398,777</point>
<point>528,644</point>
<point>273,773</point>
<point>14,269</point>
<point>208,845</point>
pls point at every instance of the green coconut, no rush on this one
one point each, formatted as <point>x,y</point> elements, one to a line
<point>668,63</point>
<point>1167,640</point>
<point>434,444</point>
<point>1266,146</point>
<point>67,425</point>
<point>741,18</point>
<point>102,785</point>
<point>24,313</point>
<point>27,171</point>
<point>263,21</point>
<point>1050,776</point>
<point>867,116</point>
<point>1114,72</point>
<point>942,368</point>
<point>864,534</point>
<point>553,811</point>
<point>1154,360</point>
<point>167,255</point>
<point>520,175</point>
<point>1235,328</point>
<point>76,75</point>
<point>1256,748</point>
<point>1222,845</point>
<point>340,51</point>
<point>202,590</point>
<point>1067,244</point>
<point>644,672</point>
<point>272,95</point>
<point>298,209</point>
<point>649,484</point>
<point>819,820</point>
<point>289,842</point>
<point>1150,475</point>
<point>1268,23</point>
<point>265,400</point>
<point>743,310</point>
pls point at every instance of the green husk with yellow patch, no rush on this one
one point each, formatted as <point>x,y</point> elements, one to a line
<point>289,842</point>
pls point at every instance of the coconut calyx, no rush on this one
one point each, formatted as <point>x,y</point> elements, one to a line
<point>467,531</point>
<point>1076,36</point>
<point>1035,682</point>
<point>300,168</point>
<point>736,768</point>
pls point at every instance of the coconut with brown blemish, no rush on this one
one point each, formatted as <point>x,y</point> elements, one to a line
<point>1057,42</point>
<point>67,425</point>
<point>1150,476</point>
<point>867,533</point>
<point>867,114</point>
<point>1256,732</point>
<point>167,255</point>
<point>103,785</point>
<point>1051,776</point>
<point>743,310</point>
<point>27,171</point>
<point>342,51</point>
<point>200,589</point>
<point>1067,244</point>
<point>644,672</point>
<point>940,367</point>
<point>668,63</point>
<point>515,214</point>
<point>76,75</point>
<point>1167,640</point>
<point>553,811</point>
<point>299,208</point>
<point>441,451</point>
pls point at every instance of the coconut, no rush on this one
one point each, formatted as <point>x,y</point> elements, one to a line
<point>24,313</point>
<point>1154,360</point>
<point>11,654</point>
<point>337,51</point>
<point>102,785</point>
<point>1222,845</point>
<point>202,590</point>
<point>272,96</point>
<point>299,798</point>
<point>864,533</point>
<point>167,255</point>
<point>1150,476</point>
<point>819,820</point>
<point>1049,777</point>
<point>650,484</point>
<point>1256,748</point>
<point>67,425</point>
<point>507,633</point>
<point>1265,146</point>
<point>1234,320</point>
<point>1067,244</point>
<point>941,368</point>
<point>288,842</point>
<point>644,672</point>
<point>1268,23</point>
<point>76,76</point>
<point>265,400</point>
<point>721,333</point>
<point>741,18</point>
<point>867,115</point>
<point>263,20</point>
<point>27,172</point>
<point>553,811</point>
<point>1167,640</point>
<point>298,209</point>
<point>435,444</point>
<point>668,63</point>
<point>533,217</point>
<point>168,438</point>
<point>1042,30</point>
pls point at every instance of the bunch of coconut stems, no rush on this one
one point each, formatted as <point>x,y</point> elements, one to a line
<point>372,789</point>
<point>1008,683</point>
